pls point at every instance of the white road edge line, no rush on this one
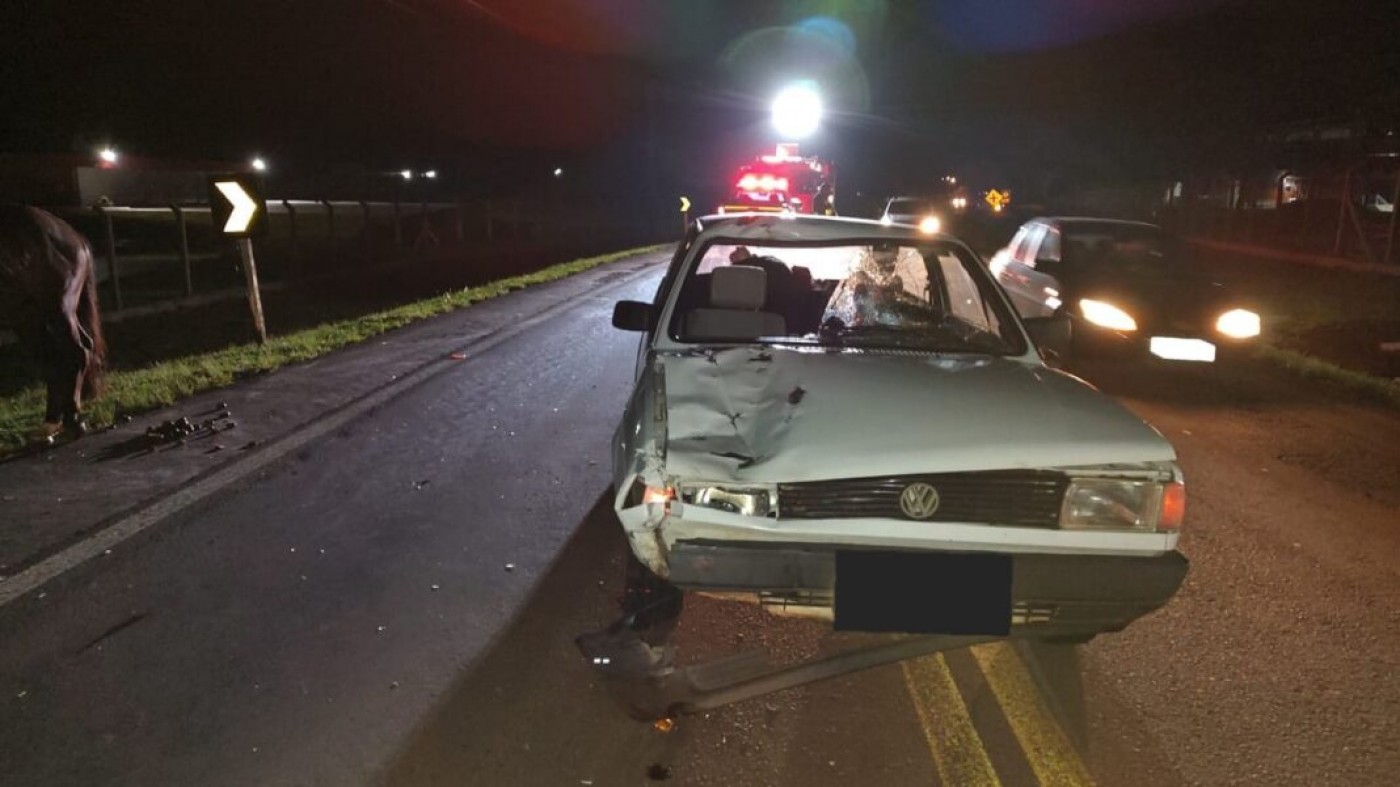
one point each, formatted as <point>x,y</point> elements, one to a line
<point>104,540</point>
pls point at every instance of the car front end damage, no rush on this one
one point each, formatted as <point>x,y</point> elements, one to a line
<point>773,476</point>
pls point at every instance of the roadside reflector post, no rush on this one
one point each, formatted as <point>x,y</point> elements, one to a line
<point>184,248</point>
<point>238,211</point>
<point>250,274</point>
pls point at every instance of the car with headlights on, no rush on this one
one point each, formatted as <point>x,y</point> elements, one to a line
<point>1129,288</point>
<point>926,213</point>
<point>847,420</point>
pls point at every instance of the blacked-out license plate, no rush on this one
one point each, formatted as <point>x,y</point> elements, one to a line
<point>923,593</point>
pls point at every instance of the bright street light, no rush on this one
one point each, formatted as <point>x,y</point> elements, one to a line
<point>558,172</point>
<point>797,110</point>
<point>430,174</point>
<point>406,174</point>
<point>259,165</point>
<point>107,155</point>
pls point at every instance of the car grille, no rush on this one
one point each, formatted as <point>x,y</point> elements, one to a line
<point>1022,498</point>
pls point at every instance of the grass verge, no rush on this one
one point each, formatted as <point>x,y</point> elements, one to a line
<point>1367,386</point>
<point>162,384</point>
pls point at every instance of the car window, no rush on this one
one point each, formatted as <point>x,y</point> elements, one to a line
<point>1022,253</point>
<point>933,297</point>
<point>964,299</point>
<point>907,206</point>
<point>1049,248</point>
<point>1136,247</point>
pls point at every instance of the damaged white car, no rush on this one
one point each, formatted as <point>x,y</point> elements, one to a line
<point>848,420</point>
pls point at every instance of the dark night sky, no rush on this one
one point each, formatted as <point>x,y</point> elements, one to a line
<point>491,89</point>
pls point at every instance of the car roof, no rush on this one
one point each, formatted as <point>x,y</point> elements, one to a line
<point>791,228</point>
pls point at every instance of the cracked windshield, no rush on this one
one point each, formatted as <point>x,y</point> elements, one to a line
<point>424,393</point>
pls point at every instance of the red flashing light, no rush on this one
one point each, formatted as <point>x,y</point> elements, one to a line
<point>763,182</point>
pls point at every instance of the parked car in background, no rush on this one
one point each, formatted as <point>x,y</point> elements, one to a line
<point>1128,287</point>
<point>848,419</point>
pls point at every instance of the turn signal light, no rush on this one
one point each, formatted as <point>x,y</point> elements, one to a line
<point>1173,507</point>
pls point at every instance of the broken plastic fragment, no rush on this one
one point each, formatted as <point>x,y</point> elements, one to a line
<point>435,587</point>
<point>457,356</point>
<point>510,567</point>
<point>664,725</point>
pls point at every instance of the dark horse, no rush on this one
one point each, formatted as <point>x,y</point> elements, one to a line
<point>48,296</point>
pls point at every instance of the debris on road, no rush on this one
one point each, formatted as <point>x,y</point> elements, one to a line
<point>421,484</point>
<point>457,356</point>
<point>664,725</point>
<point>435,587</point>
<point>510,567</point>
<point>658,772</point>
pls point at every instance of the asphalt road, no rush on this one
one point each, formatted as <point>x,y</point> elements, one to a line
<point>395,604</point>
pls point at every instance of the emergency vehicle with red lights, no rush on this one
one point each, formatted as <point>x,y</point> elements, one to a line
<point>783,182</point>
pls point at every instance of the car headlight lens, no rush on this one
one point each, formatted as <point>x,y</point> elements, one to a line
<point>1119,504</point>
<point>1238,324</point>
<point>930,225</point>
<point>1106,315</point>
<point>748,501</point>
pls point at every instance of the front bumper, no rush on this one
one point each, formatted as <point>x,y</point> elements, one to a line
<point>1051,594</point>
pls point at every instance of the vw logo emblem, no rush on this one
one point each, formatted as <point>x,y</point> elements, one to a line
<point>918,500</point>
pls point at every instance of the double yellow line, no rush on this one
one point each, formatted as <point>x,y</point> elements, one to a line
<point>957,749</point>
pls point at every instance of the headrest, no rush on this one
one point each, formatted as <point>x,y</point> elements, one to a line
<point>738,287</point>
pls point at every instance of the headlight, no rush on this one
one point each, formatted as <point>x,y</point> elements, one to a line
<point>748,501</point>
<point>1118,504</point>
<point>1238,324</point>
<point>929,224</point>
<point>1106,315</point>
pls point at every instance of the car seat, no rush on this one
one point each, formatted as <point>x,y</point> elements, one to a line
<point>737,294</point>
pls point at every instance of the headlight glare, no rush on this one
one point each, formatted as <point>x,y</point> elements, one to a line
<point>1112,504</point>
<point>1106,315</point>
<point>1238,324</point>
<point>930,225</point>
<point>746,501</point>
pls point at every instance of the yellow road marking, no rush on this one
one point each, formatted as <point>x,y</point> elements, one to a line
<point>957,749</point>
<point>1051,755</point>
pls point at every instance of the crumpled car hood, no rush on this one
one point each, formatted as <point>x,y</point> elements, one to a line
<point>767,415</point>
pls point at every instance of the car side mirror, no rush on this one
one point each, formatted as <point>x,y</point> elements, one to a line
<point>632,316</point>
<point>1051,335</point>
